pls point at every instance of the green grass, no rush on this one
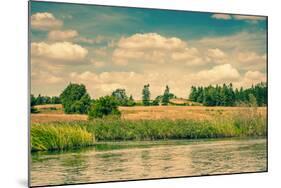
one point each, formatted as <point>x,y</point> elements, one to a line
<point>76,134</point>
<point>59,137</point>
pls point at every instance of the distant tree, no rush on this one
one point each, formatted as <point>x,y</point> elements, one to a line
<point>32,104</point>
<point>225,95</point>
<point>104,106</point>
<point>131,101</point>
<point>75,99</point>
<point>39,100</point>
<point>121,97</point>
<point>252,100</point>
<point>32,100</point>
<point>166,96</point>
<point>146,95</point>
<point>55,100</point>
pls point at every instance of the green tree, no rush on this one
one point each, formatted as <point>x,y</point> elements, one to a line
<point>252,100</point>
<point>131,101</point>
<point>121,97</point>
<point>166,96</point>
<point>75,99</point>
<point>104,106</point>
<point>146,95</point>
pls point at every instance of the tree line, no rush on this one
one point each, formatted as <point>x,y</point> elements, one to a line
<point>39,100</point>
<point>76,100</point>
<point>226,95</point>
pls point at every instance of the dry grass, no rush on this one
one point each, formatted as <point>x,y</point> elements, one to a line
<point>147,113</point>
<point>180,112</point>
<point>46,118</point>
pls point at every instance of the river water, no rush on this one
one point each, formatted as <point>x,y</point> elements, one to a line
<point>113,161</point>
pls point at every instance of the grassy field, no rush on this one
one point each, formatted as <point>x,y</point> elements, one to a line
<point>47,115</point>
<point>51,131</point>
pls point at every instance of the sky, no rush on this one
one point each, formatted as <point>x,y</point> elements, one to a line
<point>106,48</point>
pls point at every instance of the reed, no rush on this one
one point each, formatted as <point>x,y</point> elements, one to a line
<point>63,135</point>
<point>59,137</point>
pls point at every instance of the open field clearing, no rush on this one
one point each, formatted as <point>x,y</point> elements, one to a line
<point>145,113</point>
<point>181,112</point>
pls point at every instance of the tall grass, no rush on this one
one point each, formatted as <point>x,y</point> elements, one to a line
<point>248,123</point>
<point>58,137</point>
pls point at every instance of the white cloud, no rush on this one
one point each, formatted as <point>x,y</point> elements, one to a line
<point>156,49</point>
<point>251,60</point>
<point>250,78</point>
<point>45,21</point>
<point>216,55</point>
<point>97,64</point>
<point>243,41</point>
<point>252,18</point>
<point>219,74</point>
<point>59,51</point>
<point>249,18</point>
<point>62,35</point>
<point>191,56</point>
<point>222,16</point>
<point>150,41</point>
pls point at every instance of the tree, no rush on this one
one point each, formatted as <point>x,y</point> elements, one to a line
<point>252,100</point>
<point>166,96</point>
<point>32,104</point>
<point>146,95</point>
<point>225,95</point>
<point>121,97</point>
<point>75,99</point>
<point>104,106</point>
<point>131,101</point>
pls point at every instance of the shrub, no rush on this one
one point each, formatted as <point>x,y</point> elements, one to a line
<point>104,106</point>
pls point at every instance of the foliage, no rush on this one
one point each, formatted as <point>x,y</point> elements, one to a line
<point>165,99</point>
<point>49,136</point>
<point>104,106</point>
<point>39,100</point>
<point>146,95</point>
<point>59,137</point>
<point>122,98</point>
<point>225,95</point>
<point>75,99</point>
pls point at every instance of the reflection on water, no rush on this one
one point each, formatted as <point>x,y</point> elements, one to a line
<point>142,160</point>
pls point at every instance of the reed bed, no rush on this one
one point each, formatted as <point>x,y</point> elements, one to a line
<point>65,135</point>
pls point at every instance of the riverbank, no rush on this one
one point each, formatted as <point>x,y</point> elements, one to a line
<point>67,135</point>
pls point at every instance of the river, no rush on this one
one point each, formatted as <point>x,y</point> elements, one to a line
<point>115,161</point>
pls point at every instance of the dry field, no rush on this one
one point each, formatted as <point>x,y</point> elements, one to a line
<point>143,112</point>
<point>180,112</point>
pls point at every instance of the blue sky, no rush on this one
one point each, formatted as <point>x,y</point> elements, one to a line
<point>108,42</point>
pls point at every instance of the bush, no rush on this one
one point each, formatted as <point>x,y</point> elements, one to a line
<point>75,99</point>
<point>104,106</point>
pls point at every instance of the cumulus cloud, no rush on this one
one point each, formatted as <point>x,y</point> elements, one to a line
<point>219,74</point>
<point>251,60</point>
<point>150,41</point>
<point>59,51</point>
<point>250,78</point>
<point>97,64</point>
<point>45,21</point>
<point>62,35</point>
<point>154,48</point>
<point>222,16</point>
<point>252,19</point>
<point>216,55</point>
